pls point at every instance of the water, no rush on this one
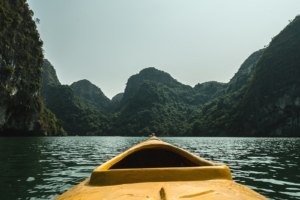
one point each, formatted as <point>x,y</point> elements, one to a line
<point>43,168</point>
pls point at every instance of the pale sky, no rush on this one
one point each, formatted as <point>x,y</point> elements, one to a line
<point>107,41</point>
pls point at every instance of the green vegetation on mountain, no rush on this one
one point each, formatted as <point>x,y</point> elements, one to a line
<point>242,77</point>
<point>261,99</point>
<point>77,117</point>
<point>80,107</point>
<point>117,97</point>
<point>91,95</point>
<point>155,102</point>
<point>272,103</point>
<point>154,75</point>
<point>208,91</point>
<point>222,115</point>
<point>115,102</point>
<point>266,102</point>
<point>154,107</point>
<point>22,110</point>
<point>49,74</point>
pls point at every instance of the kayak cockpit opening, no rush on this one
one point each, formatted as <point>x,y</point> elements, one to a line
<point>156,161</point>
<point>153,158</point>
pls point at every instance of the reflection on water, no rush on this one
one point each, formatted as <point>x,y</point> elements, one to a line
<point>43,168</point>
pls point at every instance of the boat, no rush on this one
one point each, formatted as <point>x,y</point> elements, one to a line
<point>156,170</point>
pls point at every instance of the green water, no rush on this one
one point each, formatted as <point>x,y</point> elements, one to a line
<point>43,168</point>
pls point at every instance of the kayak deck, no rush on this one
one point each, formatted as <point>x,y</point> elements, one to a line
<point>181,190</point>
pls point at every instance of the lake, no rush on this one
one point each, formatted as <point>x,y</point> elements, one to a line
<point>44,167</point>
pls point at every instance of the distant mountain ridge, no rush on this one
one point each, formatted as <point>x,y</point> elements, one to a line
<point>148,74</point>
<point>261,99</point>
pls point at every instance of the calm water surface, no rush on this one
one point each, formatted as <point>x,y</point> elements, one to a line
<point>43,168</point>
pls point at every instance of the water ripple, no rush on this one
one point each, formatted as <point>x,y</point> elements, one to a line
<point>42,168</point>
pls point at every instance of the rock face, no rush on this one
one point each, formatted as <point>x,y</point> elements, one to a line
<point>91,95</point>
<point>20,68</point>
<point>272,103</point>
<point>21,57</point>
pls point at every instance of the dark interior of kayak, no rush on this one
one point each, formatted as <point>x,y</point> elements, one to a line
<point>153,158</point>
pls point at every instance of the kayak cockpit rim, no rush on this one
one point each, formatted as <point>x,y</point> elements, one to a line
<point>156,150</point>
<point>154,161</point>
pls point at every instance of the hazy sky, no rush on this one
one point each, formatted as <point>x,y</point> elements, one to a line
<point>107,41</point>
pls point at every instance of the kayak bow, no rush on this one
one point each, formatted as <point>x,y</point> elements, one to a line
<point>156,170</point>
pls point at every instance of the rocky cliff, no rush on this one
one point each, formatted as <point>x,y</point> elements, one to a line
<point>21,56</point>
<point>272,103</point>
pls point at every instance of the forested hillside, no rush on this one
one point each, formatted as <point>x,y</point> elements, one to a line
<point>22,110</point>
<point>91,95</point>
<point>272,104</point>
<point>261,99</point>
<point>222,115</point>
<point>49,74</point>
<point>265,102</point>
<point>153,102</point>
<point>78,118</point>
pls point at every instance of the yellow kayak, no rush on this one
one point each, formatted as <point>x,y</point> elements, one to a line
<point>156,170</point>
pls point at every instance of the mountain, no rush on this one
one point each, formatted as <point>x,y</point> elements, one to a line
<point>272,103</point>
<point>153,108</point>
<point>79,106</point>
<point>209,90</point>
<point>222,113</point>
<point>115,101</point>
<point>241,78</point>
<point>150,74</point>
<point>22,110</point>
<point>78,118</point>
<point>91,95</point>
<point>117,97</point>
<point>153,101</point>
<point>262,98</point>
<point>49,74</point>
